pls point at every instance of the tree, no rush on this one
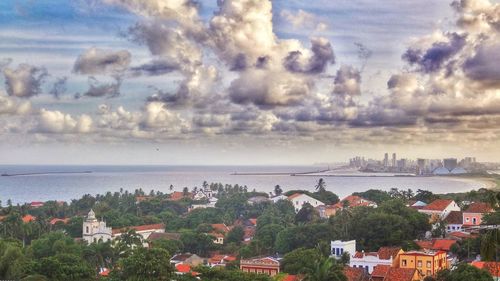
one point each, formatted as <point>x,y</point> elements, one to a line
<point>321,185</point>
<point>489,245</point>
<point>171,246</point>
<point>144,265</point>
<point>267,235</point>
<point>307,214</point>
<point>235,235</point>
<point>62,267</point>
<point>464,272</point>
<point>300,261</point>
<point>278,190</point>
<point>326,270</point>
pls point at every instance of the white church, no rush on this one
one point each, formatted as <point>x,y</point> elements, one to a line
<point>95,231</point>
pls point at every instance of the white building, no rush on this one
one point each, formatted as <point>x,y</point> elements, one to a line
<point>95,231</point>
<point>338,248</point>
<point>211,204</point>
<point>384,256</point>
<point>299,199</point>
<point>205,193</point>
<point>278,198</point>
<point>440,208</point>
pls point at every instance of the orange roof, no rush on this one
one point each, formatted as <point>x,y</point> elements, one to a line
<point>253,221</point>
<point>479,208</point>
<point>289,277</point>
<point>105,272</point>
<point>386,253</point>
<point>437,244</point>
<point>220,227</point>
<point>217,234</point>
<point>294,196</point>
<point>492,267</point>
<point>438,205</point>
<point>460,235</point>
<point>380,270</point>
<point>56,220</point>
<point>400,274</point>
<point>178,195</point>
<point>183,268</point>
<point>355,274</point>
<point>28,218</point>
<point>454,217</point>
<point>140,228</point>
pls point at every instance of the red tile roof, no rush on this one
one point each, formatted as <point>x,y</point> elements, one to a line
<point>492,267</point>
<point>220,227</point>
<point>140,228</point>
<point>36,204</point>
<point>438,205</point>
<point>178,195</point>
<point>183,268</point>
<point>56,220</point>
<point>105,272</point>
<point>454,217</point>
<point>479,208</point>
<point>289,277</point>
<point>354,201</point>
<point>400,274</point>
<point>443,244</point>
<point>355,274</point>
<point>253,221</point>
<point>294,195</point>
<point>386,253</point>
<point>28,218</point>
<point>380,270</point>
<point>460,235</point>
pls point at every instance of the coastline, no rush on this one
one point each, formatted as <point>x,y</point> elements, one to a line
<point>486,182</point>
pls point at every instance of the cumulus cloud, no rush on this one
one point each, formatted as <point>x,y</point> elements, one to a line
<point>14,106</point>
<point>303,19</point>
<point>347,84</point>
<point>155,68</point>
<point>98,89</point>
<point>25,81</point>
<point>61,123</point>
<point>322,55</point>
<point>59,87</point>
<point>98,61</point>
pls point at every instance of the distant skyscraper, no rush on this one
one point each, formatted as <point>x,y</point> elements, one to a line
<point>394,159</point>
<point>386,159</point>
<point>450,163</point>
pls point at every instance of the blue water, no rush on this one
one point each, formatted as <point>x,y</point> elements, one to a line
<point>43,187</point>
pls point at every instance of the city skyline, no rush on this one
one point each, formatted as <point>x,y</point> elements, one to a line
<point>246,82</point>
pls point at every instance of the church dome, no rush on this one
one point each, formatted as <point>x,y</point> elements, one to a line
<point>91,215</point>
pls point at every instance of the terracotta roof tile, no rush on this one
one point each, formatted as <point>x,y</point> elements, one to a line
<point>492,267</point>
<point>28,218</point>
<point>400,274</point>
<point>56,220</point>
<point>479,207</point>
<point>140,228</point>
<point>294,196</point>
<point>454,217</point>
<point>386,253</point>
<point>380,270</point>
<point>355,274</point>
<point>438,205</point>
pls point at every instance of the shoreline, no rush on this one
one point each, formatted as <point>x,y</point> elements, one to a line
<point>486,182</point>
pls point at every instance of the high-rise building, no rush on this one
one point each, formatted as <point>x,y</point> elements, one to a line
<point>450,163</point>
<point>386,159</point>
<point>394,159</point>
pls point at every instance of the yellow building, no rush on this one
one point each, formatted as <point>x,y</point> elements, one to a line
<point>428,263</point>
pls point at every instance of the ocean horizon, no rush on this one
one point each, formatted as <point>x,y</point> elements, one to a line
<point>67,182</point>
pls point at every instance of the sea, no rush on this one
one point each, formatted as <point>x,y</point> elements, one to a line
<point>64,183</point>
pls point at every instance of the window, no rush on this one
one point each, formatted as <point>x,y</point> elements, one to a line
<point>419,263</point>
<point>87,229</point>
<point>467,219</point>
<point>429,273</point>
<point>403,262</point>
<point>474,220</point>
<point>429,264</point>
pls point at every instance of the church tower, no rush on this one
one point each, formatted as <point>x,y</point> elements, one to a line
<point>95,231</point>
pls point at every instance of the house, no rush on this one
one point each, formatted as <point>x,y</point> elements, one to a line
<point>353,201</point>
<point>178,195</point>
<point>257,200</point>
<point>428,263</point>
<point>418,205</point>
<point>181,269</point>
<point>278,198</point>
<point>492,267</point>
<point>356,274</point>
<point>28,218</point>
<point>36,204</point>
<point>57,220</point>
<point>218,237</point>
<point>263,265</point>
<point>144,230</point>
<point>388,273</point>
<point>384,256</point>
<point>473,215</point>
<point>338,248</point>
<point>187,258</point>
<point>221,260</point>
<point>437,244</point>
<point>454,221</point>
<point>439,208</point>
<point>300,199</point>
<point>219,232</point>
<point>211,204</point>
<point>326,211</point>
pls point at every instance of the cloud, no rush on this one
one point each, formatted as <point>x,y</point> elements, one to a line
<point>25,81</point>
<point>61,123</point>
<point>322,56</point>
<point>347,84</point>
<point>483,65</point>
<point>14,106</point>
<point>98,61</point>
<point>59,87</point>
<point>303,19</point>
<point>98,89</point>
<point>155,68</point>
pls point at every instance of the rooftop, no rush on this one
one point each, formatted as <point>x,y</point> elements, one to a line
<point>140,228</point>
<point>479,207</point>
<point>454,217</point>
<point>438,205</point>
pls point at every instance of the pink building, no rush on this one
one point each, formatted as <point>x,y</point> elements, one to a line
<point>474,213</point>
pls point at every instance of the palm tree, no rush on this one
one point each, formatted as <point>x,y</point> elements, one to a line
<point>171,187</point>
<point>320,186</point>
<point>278,190</point>
<point>326,270</point>
<point>489,245</point>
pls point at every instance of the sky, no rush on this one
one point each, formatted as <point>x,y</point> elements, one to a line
<point>245,82</point>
